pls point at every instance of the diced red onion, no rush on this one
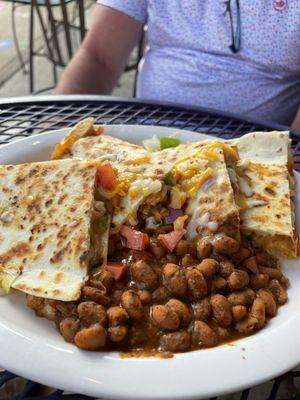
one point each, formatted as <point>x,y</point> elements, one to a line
<point>207,184</point>
<point>173,214</point>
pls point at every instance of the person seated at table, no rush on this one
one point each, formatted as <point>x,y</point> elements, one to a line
<point>241,57</point>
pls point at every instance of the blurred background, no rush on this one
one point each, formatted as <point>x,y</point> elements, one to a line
<point>38,38</point>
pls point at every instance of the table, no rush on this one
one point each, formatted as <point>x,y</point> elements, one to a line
<point>25,116</point>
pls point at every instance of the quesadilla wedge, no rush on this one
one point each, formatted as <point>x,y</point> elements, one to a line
<point>264,179</point>
<point>202,176</point>
<point>46,212</point>
<point>136,173</point>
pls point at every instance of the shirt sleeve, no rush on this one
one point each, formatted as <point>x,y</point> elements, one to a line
<point>136,9</point>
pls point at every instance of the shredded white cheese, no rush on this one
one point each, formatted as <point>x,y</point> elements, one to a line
<point>244,187</point>
<point>212,226</point>
<point>196,222</point>
<point>256,203</point>
<point>232,176</point>
<point>243,164</point>
<point>6,217</point>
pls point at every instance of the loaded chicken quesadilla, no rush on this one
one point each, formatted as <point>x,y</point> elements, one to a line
<point>172,262</point>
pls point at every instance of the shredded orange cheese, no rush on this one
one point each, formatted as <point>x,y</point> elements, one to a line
<point>137,160</point>
<point>192,185</point>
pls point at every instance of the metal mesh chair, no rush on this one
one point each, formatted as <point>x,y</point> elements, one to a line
<point>55,23</point>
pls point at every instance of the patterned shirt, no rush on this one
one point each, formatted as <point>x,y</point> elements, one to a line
<point>188,59</point>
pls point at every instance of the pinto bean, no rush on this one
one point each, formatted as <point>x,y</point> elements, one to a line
<point>226,245</point>
<point>188,261</point>
<point>34,302</point>
<point>90,313</point>
<point>145,296</point>
<point>68,327</point>
<point>196,283</point>
<point>269,301</point>
<point>273,273</point>
<point>208,267</point>
<point>244,297</point>
<point>156,248</point>
<point>202,309</point>
<point>238,279</point>
<point>91,338</point>
<point>258,311</point>
<point>218,284</point>
<point>115,297</point>
<point>66,308</point>
<point>185,247</point>
<point>174,279</point>
<point>285,282</point>
<point>181,309</point>
<point>175,341</point>
<point>171,258</point>
<point>204,248</point>
<point>251,264</point>
<point>132,304</point>
<point>104,277</point>
<point>222,333</point>
<point>143,275</point>
<point>96,295</point>
<point>160,295</point>
<point>259,281</point>
<point>117,333</point>
<point>241,255</point>
<point>247,325</point>
<point>266,260</point>
<point>165,318</point>
<point>226,268</point>
<point>47,310</point>
<point>278,291</point>
<point>239,312</point>
<point>203,334</point>
<point>221,309</point>
<point>117,316</point>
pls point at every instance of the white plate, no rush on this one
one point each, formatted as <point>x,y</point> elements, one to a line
<point>32,347</point>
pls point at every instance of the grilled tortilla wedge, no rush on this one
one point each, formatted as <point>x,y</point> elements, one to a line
<point>203,177</point>
<point>264,177</point>
<point>45,222</point>
<point>139,174</point>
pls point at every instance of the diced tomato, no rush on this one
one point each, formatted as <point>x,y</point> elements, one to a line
<point>136,240</point>
<point>170,240</point>
<point>106,177</point>
<point>116,269</point>
<point>99,130</point>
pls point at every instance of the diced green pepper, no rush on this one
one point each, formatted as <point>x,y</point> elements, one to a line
<point>99,225</point>
<point>169,179</point>
<point>166,142</point>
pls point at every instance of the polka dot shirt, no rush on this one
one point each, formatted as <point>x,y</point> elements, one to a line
<point>188,59</point>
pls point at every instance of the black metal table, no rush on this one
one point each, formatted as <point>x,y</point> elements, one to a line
<point>22,117</point>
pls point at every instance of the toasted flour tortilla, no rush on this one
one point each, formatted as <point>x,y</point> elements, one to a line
<point>266,186</point>
<point>146,179</point>
<point>45,217</point>
<point>139,173</point>
<point>205,180</point>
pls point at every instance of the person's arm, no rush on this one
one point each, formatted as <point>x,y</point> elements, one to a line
<point>296,122</point>
<point>103,55</point>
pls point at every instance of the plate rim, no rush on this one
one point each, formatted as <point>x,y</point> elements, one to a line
<point>81,386</point>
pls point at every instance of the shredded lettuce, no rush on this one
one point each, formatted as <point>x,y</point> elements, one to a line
<point>152,144</point>
<point>99,225</point>
<point>6,282</point>
<point>166,142</point>
<point>169,179</point>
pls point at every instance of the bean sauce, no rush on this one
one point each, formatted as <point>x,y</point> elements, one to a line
<point>199,295</point>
